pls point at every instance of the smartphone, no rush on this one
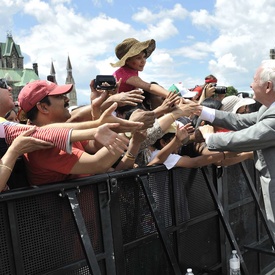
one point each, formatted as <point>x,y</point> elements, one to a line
<point>105,82</point>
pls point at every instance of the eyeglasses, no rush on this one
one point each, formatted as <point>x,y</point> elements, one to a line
<point>3,83</point>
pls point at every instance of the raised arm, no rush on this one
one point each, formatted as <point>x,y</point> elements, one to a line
<point>22,144</point>
<point>155,89</point>
<point>178,140</point>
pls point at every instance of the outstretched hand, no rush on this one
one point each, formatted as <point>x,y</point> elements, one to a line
<point>110,139</point>
<point>188,107</point>
<point>147,117</point>
<point>182,134</point>
<point>124,125</point>
<point>189,128</point>
<point>131,98</point>
<point>168,103</point>
<point>202,132</point>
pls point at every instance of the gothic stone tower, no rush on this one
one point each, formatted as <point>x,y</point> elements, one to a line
<point>70,80</point>
<point>272,53</point>
<point>11,67</point>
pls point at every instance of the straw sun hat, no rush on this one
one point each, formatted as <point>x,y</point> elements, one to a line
<point>131,47</point>
<point>232,103</point>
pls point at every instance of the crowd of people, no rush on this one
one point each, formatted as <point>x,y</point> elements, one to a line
<point>135,124</point>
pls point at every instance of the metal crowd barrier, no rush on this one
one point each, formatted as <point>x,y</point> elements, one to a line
<point>140,221</point>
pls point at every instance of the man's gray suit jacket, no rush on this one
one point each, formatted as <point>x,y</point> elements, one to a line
<point>251,132</point>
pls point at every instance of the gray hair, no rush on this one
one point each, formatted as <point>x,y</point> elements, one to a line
<point>268,72</point>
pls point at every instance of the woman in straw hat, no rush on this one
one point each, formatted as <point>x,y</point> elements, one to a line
<point>132,55</point>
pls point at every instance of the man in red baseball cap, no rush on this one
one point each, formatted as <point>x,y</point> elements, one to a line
<point>44,103</point>
<point>35,91</point>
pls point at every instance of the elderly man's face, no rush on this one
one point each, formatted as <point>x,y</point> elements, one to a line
<point>258,87</point>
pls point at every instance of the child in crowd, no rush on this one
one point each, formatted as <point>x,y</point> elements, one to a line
<point>166,151</point>
<point>132,55</point>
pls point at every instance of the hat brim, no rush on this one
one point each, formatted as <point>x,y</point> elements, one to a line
<point>137,48</point>
<point>62,89</point>
<point>243,102</point>
<point>189,94</point>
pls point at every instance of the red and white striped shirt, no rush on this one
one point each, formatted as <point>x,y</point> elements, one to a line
<point>60,137</point>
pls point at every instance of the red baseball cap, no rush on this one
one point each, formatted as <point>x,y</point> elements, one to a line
<point>35,91</point>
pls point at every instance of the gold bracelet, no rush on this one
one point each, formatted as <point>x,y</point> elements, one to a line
<point>172,117</point>
<point>5,166</point>
<point>128,156</point>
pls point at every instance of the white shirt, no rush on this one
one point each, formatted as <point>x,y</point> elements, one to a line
<point>170,162</point>
<point>209,115</point>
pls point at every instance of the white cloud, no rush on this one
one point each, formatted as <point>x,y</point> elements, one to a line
<point>240,31</point>
<point>197,51</point>
<point>231,38</point>
<point>146,16</point>
<point>164,30</point>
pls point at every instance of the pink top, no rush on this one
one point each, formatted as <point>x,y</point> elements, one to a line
<point>125,73</point>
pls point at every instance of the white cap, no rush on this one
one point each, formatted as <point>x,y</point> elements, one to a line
<point>182,91</point>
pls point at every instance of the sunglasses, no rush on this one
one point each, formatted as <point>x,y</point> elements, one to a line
<point>3,83</point>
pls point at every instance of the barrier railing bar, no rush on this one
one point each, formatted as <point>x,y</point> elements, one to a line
<point>175,213</point>
<point>83,233</point>
<point>66,269</point>
<point>159,224</point>
<point>258,206</point>
<point>17,251</point>
<point>224,220</point>
<point>116,227</point>
<point>104,202</point>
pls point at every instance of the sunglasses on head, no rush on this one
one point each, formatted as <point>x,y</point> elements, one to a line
<point>3,83</point>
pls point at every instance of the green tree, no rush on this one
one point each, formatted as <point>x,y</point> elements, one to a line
<point>231,91</point>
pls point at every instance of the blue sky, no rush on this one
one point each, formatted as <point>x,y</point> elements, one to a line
<point>194,38</point>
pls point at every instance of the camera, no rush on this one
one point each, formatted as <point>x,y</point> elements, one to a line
<point>105,82</point>
<point>220,89</point>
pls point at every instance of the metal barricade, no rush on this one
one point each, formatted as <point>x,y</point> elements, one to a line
<point>141,221</point>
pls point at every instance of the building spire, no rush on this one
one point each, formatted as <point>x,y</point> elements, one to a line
<point>69,65</point>
<point>9,34</point>
<point>70,80</point>
<point>51,76</point>
<point>272,53</point>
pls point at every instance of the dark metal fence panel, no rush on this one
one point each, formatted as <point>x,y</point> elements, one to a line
<point>41,232</point>
<point>198,242</point>
<point>187,212</point>
<point>7,261</point>
<point>140,246</point>
<point>243,216</point>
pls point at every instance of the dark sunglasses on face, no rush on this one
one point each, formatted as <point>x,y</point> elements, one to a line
<point>3,83</point>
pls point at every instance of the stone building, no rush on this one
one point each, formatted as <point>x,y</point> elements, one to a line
<point>12,69</point>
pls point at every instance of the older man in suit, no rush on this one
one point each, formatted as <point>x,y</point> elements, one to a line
<point>251,132</point>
